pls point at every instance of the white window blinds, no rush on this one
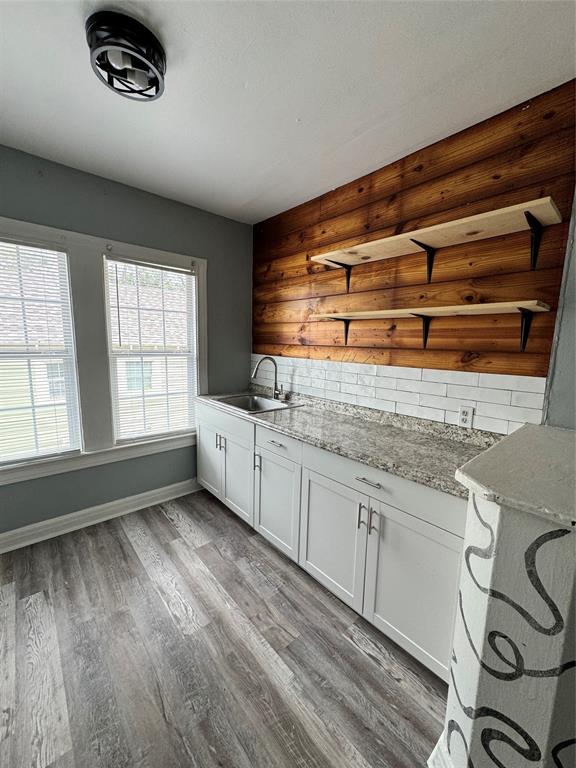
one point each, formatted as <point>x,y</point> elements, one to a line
<point>152,347</point>
<point>39,413</point>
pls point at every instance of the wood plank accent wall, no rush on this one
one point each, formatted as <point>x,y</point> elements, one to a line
<point>524,153</point>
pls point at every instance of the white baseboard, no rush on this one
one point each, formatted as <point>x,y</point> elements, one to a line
<point>56,526</point>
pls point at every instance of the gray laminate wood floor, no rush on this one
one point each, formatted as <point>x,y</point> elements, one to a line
<point>176,636</point>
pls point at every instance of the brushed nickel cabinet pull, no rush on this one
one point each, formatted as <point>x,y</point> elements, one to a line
<point>274,442</point>
<point>257,461</point>
<point>369,482</point>
<point>370,516</point>
<point>360,521</point>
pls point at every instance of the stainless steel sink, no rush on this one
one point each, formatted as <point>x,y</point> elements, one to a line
<point>253,403</point>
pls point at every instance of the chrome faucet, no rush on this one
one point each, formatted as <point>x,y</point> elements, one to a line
<point>276,393</point>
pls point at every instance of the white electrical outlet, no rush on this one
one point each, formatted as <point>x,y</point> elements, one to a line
<point>465,415</point>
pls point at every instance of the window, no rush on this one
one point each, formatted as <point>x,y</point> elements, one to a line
<point>153,348</point>
<point>39,413</point>
<point>139,375</point>
<point>56,381</point>
<point>113,379</point>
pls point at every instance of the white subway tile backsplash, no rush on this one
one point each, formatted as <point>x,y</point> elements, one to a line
<point>429,387</point>
<point>448,403</point>
<point>528,399</point>
<point>450,377</point>
<point>313,391</point>
<point>451,417</point>
<point>380,405</point>
<point>501,403</point>
<point>491,425</point>
<point>400,396</point>
<point>302,381</point>
<point>397,371</point>
<point>357,389</point>
<point>386,382</point>
<point>344,376</point>
<point>509,412</point>
<point>360,368</point>
<point>368,379</point>
<point>342,397</point>
<point>484,394</point>
<point>517,383</point>
<point>434,414</point>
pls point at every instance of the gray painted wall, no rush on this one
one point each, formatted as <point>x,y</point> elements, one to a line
<point>55,495</point>
<point>42,192</point>
<point>560,410</point>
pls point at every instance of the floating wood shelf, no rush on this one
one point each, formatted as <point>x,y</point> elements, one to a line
<point>526,308</point>
<point>495,308</point>
<point>532,215</point>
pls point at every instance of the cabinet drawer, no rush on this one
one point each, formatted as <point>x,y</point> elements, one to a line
<point>441,509</point>
<point>220,421</point>
<point>282,445</point>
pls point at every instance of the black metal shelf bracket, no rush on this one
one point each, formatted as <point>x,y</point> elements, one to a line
<point>346,321</point>
<point>535,237</point>
<point>430,253</point>
<point>425,328</point>
<point>525,325</point>
<point>348,269</point>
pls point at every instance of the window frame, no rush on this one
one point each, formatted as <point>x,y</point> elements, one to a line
<point>86,262</point>
<point>123,258</point>
<point>69,359</point>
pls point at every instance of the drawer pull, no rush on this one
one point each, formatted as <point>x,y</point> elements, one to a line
<point>369,482</point>
<point>360,521</point>
<point>274,442</point>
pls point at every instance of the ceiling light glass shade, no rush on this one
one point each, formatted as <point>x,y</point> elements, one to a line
<point>119,59</point>
<point>126,56</point>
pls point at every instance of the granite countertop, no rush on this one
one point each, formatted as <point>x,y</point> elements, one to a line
<point>531,470</point>
<point>421,456</point>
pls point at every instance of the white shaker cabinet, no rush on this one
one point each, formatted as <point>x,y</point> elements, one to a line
<point>386,546</point>
<point>225,459</point>
<point>208,458</point>
<point>237,475</point>
<point>412,573</point>
<point>277,500</point>
<point>333,533</point>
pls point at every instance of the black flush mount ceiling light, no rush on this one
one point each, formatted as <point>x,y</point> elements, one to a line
<point>126,56</point>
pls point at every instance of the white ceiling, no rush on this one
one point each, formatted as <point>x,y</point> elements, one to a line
<point>268,104</point>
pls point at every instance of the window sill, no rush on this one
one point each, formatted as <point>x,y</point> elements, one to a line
<point>31,470</point>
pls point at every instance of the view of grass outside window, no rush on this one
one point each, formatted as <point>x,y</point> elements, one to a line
<point>38,394</point>
<point>153,348</point>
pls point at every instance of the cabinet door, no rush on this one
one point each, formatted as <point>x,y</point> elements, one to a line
<point>277,501</point>
<point>238,476</point>
<point>333,532</point>
<point>412,573</point>
<point>209,459</point>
